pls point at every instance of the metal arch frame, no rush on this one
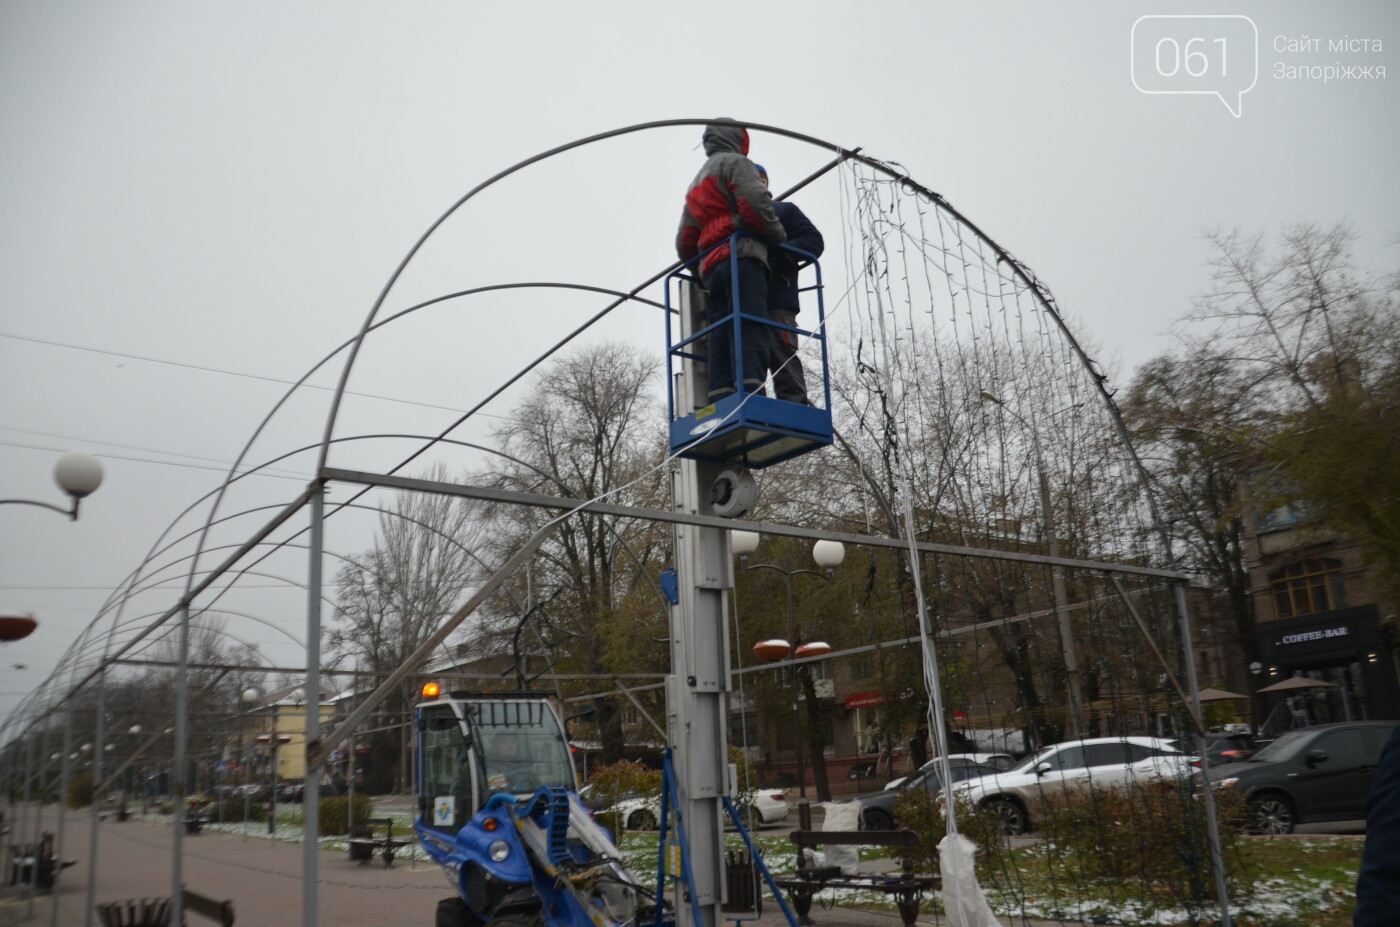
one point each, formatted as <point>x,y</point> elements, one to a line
<point>127,589</point>
<point>1041,295</point>
<point>234,474</point>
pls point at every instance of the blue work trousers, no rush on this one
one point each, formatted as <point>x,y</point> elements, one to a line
<point>753,299</point>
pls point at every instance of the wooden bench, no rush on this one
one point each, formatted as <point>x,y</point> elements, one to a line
<point>906,887</point>
<point>155,912</point>
<point>364,840</point>
<point>37,862</point>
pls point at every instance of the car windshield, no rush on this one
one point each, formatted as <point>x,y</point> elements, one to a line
<point>522,746</point>
<point>1031,762</point>
<point>1287,746</point>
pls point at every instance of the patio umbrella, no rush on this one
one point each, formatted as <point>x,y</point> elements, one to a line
<point>1297,682</point>
<point>1217,695</point>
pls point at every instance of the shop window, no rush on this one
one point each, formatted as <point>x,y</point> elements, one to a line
<point>1308,587</point>
<point>866,726</point>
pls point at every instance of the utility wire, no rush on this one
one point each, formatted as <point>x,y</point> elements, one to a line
<point>231,373</point>
<point>168,463</point>
<point>132,447</point>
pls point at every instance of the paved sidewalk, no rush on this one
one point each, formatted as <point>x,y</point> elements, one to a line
<point>262,879</point>
<point>264,883</point>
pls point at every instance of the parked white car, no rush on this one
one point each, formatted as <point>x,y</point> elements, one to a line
<point>999,760</point>
<point>641,813</point>
<point>1019,794</point>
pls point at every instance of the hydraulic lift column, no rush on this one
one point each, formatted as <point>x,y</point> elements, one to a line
<point>697,700</point>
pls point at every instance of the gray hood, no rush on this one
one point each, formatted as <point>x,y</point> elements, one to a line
<point>724,136</point>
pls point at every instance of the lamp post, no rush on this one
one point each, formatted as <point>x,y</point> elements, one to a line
<point>828,555</point>
<point>272,740</point>
<point>1057,578</point>
<point>250,698</point>
<point>77,473</point>
<point>123,813</point>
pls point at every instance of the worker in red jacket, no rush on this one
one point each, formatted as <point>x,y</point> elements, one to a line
<point>725,197</point>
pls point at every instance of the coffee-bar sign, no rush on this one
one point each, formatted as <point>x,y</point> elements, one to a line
<point>1308,637</point>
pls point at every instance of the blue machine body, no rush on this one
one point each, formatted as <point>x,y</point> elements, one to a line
<point>755,428</point>
<point>498,811</point>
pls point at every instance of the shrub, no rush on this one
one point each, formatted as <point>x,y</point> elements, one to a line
<point>233,809</point>
<point>1143,846</point>
<point>620,780</point>
<point>922,812</point>
<point>1145,842</point>
<point>335,812</point>
<point>80,790</point>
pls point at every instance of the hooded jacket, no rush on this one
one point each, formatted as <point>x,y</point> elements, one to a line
<point>726,196</point>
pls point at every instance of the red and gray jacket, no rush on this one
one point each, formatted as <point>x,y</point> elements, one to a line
<point>727,196</point>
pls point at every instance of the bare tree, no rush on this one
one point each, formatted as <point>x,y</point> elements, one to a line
<point>591,428</point>
<point>393,597</point>
<point>1288,361</point>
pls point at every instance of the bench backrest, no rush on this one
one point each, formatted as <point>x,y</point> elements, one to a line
<point>805,836</point>
<point>364,829</point>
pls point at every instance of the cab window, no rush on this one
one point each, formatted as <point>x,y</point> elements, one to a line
<point>446,772</point>
<point>522,748</point>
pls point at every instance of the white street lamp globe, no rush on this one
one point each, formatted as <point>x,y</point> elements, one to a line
<point>78,473</point>
<point>744,542</point>
<point>828,554</point>
<point>250,696</point>
<point>298,695</point>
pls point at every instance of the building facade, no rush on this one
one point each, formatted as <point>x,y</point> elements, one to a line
<point>1319,615</point>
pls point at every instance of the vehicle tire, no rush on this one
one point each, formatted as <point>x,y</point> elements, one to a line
<point>453,912</point>
<point>876,819</point>
<point>519,919</point>
<point>641,819</point>
<point>1272,813</point>
<point>751,816</point>
<point>1014,821</point>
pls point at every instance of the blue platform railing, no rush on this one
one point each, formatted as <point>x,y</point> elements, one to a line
<point>771,430</point>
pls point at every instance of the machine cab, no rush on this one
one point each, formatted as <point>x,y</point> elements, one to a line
<point>475,746</point>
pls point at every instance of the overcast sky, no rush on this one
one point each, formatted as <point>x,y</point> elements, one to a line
<point>213,194</point>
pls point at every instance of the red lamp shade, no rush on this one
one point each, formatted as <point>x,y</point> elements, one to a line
<point>16,627</point>
<point>772,649</point>
<point>814,649</point>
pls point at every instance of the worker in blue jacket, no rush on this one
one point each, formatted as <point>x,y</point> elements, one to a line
<point>789,381</point>
<point>1378,883</point>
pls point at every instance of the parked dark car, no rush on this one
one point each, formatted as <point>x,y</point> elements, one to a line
<point>877,811</point>
<point>290,792</point>
<point>1220,748</point>
<point>1320,773</point>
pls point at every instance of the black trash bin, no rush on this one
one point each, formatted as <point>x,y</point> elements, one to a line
<point>743,888</point>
